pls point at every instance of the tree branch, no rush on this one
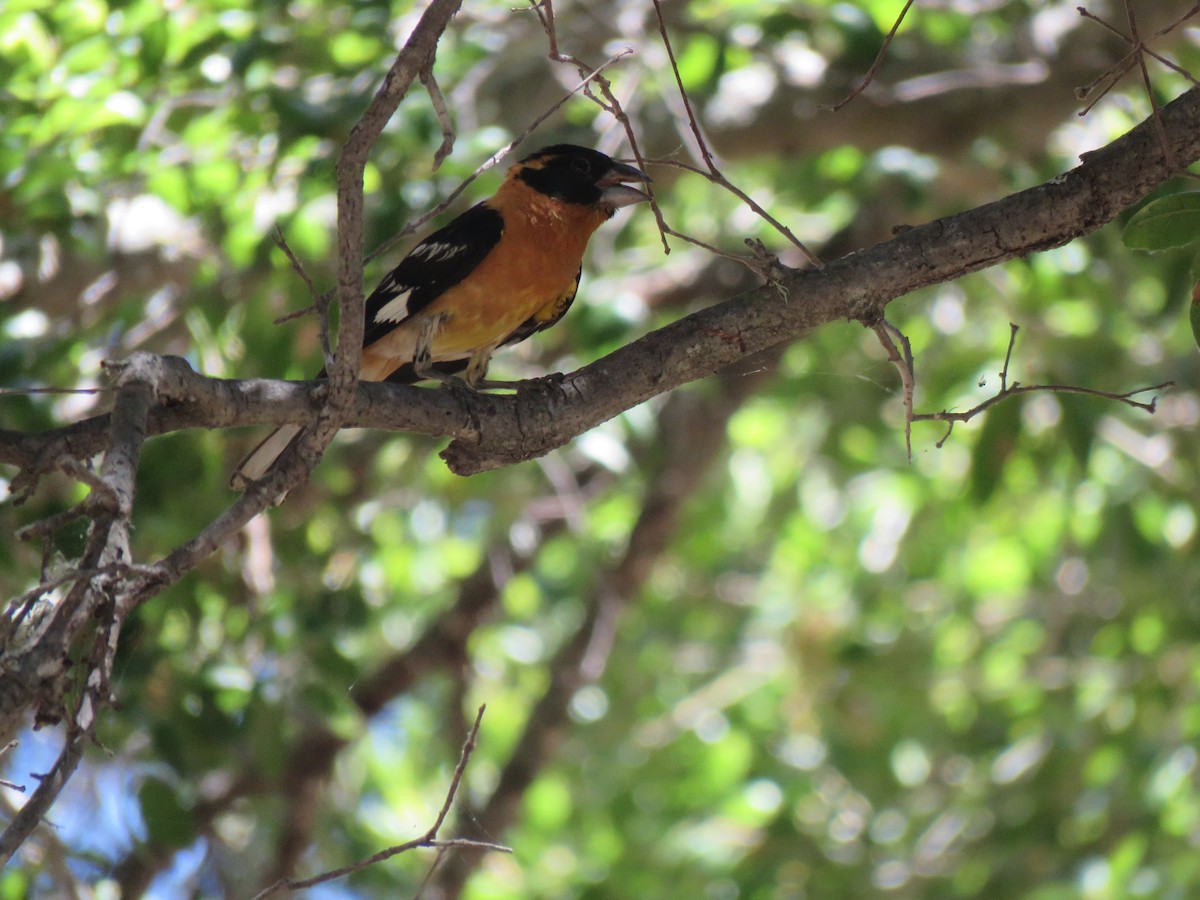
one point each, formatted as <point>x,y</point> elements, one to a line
<point>36,662</point>
<point>413,61</point>
<point>548,413</point>
<point>37,668</point>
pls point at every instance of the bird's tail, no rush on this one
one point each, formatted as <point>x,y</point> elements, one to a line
<point>374,368</point>
<point>262,457</point>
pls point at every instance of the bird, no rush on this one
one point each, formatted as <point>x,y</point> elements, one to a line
<point>505,269</point>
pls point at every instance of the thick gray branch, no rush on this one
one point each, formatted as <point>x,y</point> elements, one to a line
<point>855,287</point>
<point>500,430</point>
<point>33,650</point>
<point>36,670</point>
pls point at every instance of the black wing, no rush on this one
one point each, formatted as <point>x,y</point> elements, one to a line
<point>431,268</point>
<point>544,317</point>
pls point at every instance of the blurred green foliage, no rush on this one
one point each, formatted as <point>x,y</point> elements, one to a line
<point>974,674</point>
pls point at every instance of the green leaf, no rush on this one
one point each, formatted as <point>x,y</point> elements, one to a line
<point>1162,224</point>
<point>167,820</point>
<point>153,47</point>
<point>996,443</point>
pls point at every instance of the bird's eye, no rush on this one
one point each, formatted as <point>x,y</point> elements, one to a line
<point>582,166</point>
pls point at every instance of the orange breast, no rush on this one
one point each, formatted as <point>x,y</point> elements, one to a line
<point>532,266</point>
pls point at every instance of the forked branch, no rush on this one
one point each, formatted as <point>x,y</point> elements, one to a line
<point>428,839</point>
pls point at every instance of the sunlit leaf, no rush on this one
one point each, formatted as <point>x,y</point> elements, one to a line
<point>1172,221</point>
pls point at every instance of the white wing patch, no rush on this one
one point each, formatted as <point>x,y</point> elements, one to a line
<point>435,252</point>
<point>396,309</point>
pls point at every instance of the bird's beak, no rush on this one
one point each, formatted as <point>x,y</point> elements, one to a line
<point>616,193</point>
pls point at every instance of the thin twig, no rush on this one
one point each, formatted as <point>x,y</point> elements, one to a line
<point>608,102</point>
<point>1128,58</point>
<point>1013,328</point>
<point>320,304</point>
<point>1113,74</point>
<point>464,757</point>
<point>282,244</point>
<point>1009,390</point>
<point>693,124</point>
<point>46,527</point>
<point>1126,398</point>
<point>888,334</point>
<point>1156,110</point>
<point>4,782</point>
<point>428,839</point>
<point>36,807</point>
<point>443,116</point>
<point>714,173</point>
<point>83,472</point>
<point>879,57</point>
<point>716,177</point>
<point>1135,57</point>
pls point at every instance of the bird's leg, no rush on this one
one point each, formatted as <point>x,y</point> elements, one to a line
<point>425,369</point>
<point>422,361</point>
<point>477,367</point>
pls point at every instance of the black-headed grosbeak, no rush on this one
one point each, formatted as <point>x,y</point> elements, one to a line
<point>503,270</point>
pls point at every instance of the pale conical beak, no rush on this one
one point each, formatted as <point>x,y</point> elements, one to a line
<point>616,193</point>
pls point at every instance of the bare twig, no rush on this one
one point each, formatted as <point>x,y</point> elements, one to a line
<point>36,807</point>
<point>1010,390</point>
<point>428,839</point>
<point>1013,328</point>
<point>1125,397</point>
<point>4,782</point>
<point>610,104</point>
<point>312,753</point>
<point>1156,110</point>
<point>300,313</point>
<point>714,173</point>
<point>888,335</point>
<point>693,124</point>
<point>443,116</point>
<point>870,76</point>
<point>282,244</point>
<point>1124,64</point>
<point>48,526</point>
<point>320,302</point>
<point>1136,57</point>
<point>716,177</point>
<point>607,102</point>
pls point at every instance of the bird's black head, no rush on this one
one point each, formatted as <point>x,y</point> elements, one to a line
<point>579,175</point>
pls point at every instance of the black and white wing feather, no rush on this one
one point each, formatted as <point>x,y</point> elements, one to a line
<point>431,268</point>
